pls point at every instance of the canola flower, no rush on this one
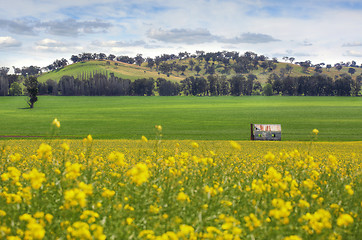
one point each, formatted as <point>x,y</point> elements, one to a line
<point>125,189</point>
<point>315,131</point>
<point>56,123</point>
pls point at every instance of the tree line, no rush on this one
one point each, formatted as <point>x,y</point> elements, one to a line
<point>103,84</point>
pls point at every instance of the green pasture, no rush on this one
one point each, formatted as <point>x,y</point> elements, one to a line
<point>198,118</point>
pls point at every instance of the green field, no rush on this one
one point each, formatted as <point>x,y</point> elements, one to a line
<point>198,118</point>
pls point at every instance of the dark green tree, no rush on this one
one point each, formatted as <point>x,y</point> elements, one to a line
<point>197,69</point>
<point>351,71</point>
<point>31,85</point>
<point>268,90</point>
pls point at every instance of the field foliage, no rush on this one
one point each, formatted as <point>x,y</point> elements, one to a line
<point>179,189</point>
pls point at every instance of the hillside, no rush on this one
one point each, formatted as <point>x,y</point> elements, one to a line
<point>121,70</point>
<point>133,71</point>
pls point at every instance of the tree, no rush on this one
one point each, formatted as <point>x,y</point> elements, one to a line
<point>351,71</point>
<point>15,89</point>
<point>139,59</point>
<point>75,58</point>
<point>338,66</point>
<point>150,62</point>
<point>197,69</point>
<point>305,65</point>
<point>111,57</point>
<point>289,69</point>
<point>268,90</point>
<point>31,85</point>
<point>191,63</point>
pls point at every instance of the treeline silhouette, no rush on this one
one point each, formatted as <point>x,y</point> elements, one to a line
<point>102,84</point>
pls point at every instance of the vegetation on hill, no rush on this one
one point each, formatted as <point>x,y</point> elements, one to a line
<point>213,73</point>
<point>119,69</point>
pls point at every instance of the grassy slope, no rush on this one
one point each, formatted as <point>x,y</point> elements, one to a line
<point>123,70</point>
<point>206,118</point>
<point>131,71</point>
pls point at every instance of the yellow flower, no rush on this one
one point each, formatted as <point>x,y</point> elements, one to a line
<point>74,197</point>
<point>349,189</point>
<point>117,157</point>
<point>183,197</point>
<point>315,131</point>
<point>292,237</point>
<point>36,178</point>
<point>90,215</point>
<point>269,156</point>
<point>318,221</point>
<point>144,139</point>
<point>195,145</point>
<point>56,123</point>
<point>79,230</point>
<point>252,222</point>
<point>154,209</point>
<point>49,217</point>
<point>129,221</point>
<point>108,193</point>
<point>344,220</point>
<point>139,173</point>
<point>72,170</point>
<point>97,232</point>
<point>158,128</point>
<point>15,157</point>
<point>2,213</point>
<point>65,146</point>
<point>44,151</point>
<point>88,139</point>
<point>235,145</point>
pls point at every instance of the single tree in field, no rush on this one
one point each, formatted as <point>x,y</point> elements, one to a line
<point>31,85</point>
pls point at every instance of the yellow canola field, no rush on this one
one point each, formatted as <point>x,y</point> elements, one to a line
<point>143,189</point>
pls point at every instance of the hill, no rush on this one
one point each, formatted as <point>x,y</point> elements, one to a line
<point>120,69</point>
<point>133,71</point>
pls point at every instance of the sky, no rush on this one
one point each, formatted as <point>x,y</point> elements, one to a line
<point>37,32</point>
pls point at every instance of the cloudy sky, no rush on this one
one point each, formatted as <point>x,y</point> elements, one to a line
<point>36,32</point>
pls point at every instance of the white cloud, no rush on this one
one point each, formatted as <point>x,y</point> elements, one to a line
<point>51,45</point>
<point>352,44</point>
<point>8,42</point>
<point>112,43</point>
<point>353,53</point>
<point>182,35</point>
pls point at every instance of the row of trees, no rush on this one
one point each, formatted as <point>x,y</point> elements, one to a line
<point>316,85</point>
<point>100,84</point>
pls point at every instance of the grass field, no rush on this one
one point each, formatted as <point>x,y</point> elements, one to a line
<point>198,118</point>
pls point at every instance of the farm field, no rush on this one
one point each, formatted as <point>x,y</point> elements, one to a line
<point>179,189</point>
<point>197,118</point>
